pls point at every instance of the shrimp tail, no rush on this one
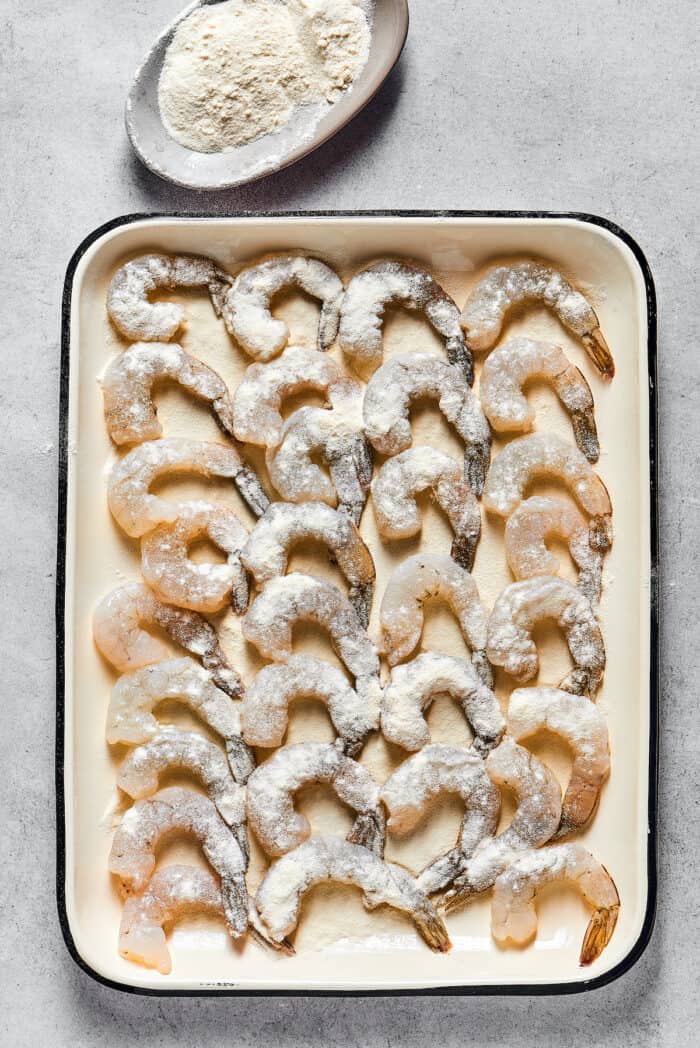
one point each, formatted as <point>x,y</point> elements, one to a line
<point>600,533</point>
<point>234,894</point>
<point>433,930</point>
<point>360,597</point>
<point>438,875</point>
<point>240,758</point>
<point>599,352</point>
<point>586,433</point>
<point>251,490</point>
<point>463,549</point>
<point>483,667</point>
<point>223,675</point>
<point>259,934</point>
<point>459,354</point>
<point>369,830</point>
<point>598,934</point>
<point>476,464</point>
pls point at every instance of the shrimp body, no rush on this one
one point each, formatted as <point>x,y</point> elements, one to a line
<point>510,366</point>
<point>413,686</point>
<point>320,859</point>
<point>385,283</point>
<point>271,789</point>
<point>141,320</point>
<point>264,710</point>
<point>137,511</point>
<point>419,469</point>
<point>518,610</point>
<point>437,769</point>
<point>127,387</point>
<point>246,310</point>
<point>511,285</point>
<point>513,913</point>
<point>581,724</point>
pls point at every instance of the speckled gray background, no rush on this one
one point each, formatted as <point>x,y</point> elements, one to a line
<point>586,105</point>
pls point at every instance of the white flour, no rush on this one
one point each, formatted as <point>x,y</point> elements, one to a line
<point>238,70</point>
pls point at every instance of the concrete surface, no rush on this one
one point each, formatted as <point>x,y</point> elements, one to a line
<point>588,105</point>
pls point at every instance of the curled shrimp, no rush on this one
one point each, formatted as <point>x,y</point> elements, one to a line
<point>510,366</point>
<point>519,282</point>
<point>320,859</point>
<point>398,381</point>
<point>141,320</point>
<point>533,521</point>
<point>421,578</point>
<point>266,552</point>
<point>179,810</point>
<point>535,821</point>
<point>413,686</point>
<point>117,628</point>
<point>264,710</point>
<point>540,454</point>
<point>517,611</point>
<point>127,387</point>
<point>246,310</point>
<point>135,695</point>
<point>384,283</point>
<point>137,511</point>
<point>167,568</point>
<point>257,401</point>
<point>513,913</point>
<point>271,789</point>
<point>438,769</point>
<point>581,724</point>
<point>401,478</point>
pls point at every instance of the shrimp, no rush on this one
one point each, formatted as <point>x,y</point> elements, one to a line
<point>179,810</point>
<point>512,285</point>
<point>583,726</point>
<point>116,627</point>
<point>513,913</point>
<point>266,553</point>
<point>135,695</point>
<point>511,365</point>
<point>246,310</point>
<point>535,821</point>
<point>176,579</point>
<point>517,611</point>
<point>536,519</point>
<point>137,511</point>
<point>420,468</point>
<point>421,578</point>
<point>384,283</point>
<point>257,401</point>
<point>320,859</point>
<point>540,454</point>
<point>127,387</point>
<point>423,777</point>
<point>141,320</point>
<point>264,710</point>
<point>399,381</point>
<point>271,789</point>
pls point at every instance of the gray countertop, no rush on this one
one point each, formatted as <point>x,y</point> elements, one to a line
<point>589,105</point>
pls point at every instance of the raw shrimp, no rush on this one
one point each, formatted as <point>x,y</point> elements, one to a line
<point>266,553</point>
<point>167,568</point>
<point>264,710</point>
<point>437,769</point>
<point>178,810</point>
<point>512,285</point>
<point>257,401</point>
<point>127,387</point>
<point>417,580</point>
<point>537,817</point>
<point>541,454</point>
<point>137,511</point>
<point>414,685</point>
<point>517,611</point>
<point>384,283</point>
<point>320,859</point>
<point>141,320</point>
<point>513,913</point>
<point>511,365</point>
<point>116,627</point>
<point>401,478</point>
<point>533,521</point>
<point>583,726</point>
<point>404,378</point>
<point>247,313</point>
<point>135,695</point>
<point>271,789</point>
